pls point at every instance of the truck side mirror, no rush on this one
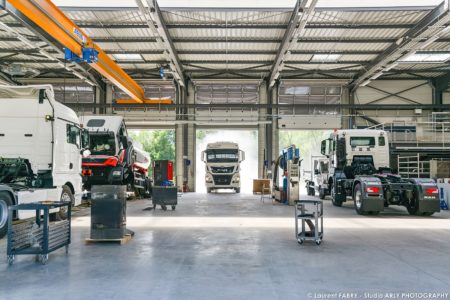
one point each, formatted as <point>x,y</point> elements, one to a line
<point>124,141</point>
<point>85,153</point>
<point>241,155</point>
<point>323,147</point>
<point>203,156</point>
<point>85,141</point>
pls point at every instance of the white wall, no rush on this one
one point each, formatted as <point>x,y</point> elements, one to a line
<point>422,94</point>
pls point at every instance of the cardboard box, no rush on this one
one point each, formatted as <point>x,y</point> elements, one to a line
<point>258,185</point>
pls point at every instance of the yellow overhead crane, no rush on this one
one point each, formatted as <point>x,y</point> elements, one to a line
<point>47,18</point>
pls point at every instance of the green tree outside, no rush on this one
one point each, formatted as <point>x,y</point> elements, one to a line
<point>160,144</point>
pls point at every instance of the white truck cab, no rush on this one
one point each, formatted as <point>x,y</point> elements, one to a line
<point>222,166</point>
<point>41,145</point>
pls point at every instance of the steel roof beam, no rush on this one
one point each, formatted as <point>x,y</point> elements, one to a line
<point>130,25</point>
<point>217,62</point>
<point>293,27</point>
<point>155,22</point>
<point>233,40</point>
<point>409,42</point>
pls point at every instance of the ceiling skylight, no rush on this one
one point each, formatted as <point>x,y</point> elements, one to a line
<point>426,58</point>
<point>127,56</point>
<point>325,57</point>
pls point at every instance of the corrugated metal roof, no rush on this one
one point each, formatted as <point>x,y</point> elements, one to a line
<point>258,34</point>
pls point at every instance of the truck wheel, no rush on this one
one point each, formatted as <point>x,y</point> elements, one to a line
<point>336,199</point>
<point>208,190</point>
<point>66,195</point>
<point>5,201</point>
<point>147,189</point>
<point>413,210</point>
<point>358,200</point>
<point>238,190</point>
<point>321,193</point>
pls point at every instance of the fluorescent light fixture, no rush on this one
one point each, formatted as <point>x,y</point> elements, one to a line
<point>326,57</point>
<point>376,75</point>
<point>426,57</point>
<point>364,83</point>
<point>428,42</point>
<point>390,67</point>
<point>127,56</point>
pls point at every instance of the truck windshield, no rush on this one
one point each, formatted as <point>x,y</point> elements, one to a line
<point>102,143</point>
<point>222,155</point>
<point>362,141</point>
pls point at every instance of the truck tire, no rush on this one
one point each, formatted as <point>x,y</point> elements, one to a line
<point>358,200</point>
<point>321,193</point>
<point>413,210</point>
<point>66,195</point>
<point>5,202</point>
<point>238,190</point>
<point>148,189</point>
<point>208,190</point>
<point>336,199</point>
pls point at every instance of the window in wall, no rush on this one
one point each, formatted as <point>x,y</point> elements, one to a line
<point>309,98</point>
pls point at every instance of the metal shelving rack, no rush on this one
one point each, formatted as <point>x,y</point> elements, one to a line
<point>40,236</point>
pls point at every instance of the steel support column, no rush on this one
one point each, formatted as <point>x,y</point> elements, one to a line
<point>262,145</point>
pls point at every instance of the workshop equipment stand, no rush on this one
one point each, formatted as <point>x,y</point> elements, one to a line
<point>165,196</point>
<point>311,210</point>
<point>40,236</point>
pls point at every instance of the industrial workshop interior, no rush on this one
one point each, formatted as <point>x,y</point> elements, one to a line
<point>174,149</point>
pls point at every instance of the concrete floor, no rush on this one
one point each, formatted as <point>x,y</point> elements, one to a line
<point>227,246</point>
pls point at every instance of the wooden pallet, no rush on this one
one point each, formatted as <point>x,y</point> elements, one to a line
<point>126,238</point>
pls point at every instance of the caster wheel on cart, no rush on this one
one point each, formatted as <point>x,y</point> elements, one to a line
<point>173,207</point>
<point>10,260</point>
<point>43,258</point>
<point>318,242</point>
<point>164,207</point>
<point>300,241</point>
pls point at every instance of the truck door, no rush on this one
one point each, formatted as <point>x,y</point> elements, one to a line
<point>73,148</point>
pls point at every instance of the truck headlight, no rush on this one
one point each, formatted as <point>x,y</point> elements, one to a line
<point>208,178</point>
<point>236,179</point>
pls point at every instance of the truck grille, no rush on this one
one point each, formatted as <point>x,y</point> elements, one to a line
<point>222,179</point>
<point>222,169</point>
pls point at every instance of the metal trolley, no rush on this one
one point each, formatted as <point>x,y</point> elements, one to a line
<point>39,236</point>
<point>309,211</point>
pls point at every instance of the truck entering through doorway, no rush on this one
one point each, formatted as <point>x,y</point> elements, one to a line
<point>222,166</point>
<point>115,158</point>
<point>40,154</point>
<point>359,168</point>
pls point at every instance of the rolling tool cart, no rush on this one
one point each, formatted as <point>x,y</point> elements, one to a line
<point>309,212</point>
<point>40,236</point>
<point>164,193</point>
